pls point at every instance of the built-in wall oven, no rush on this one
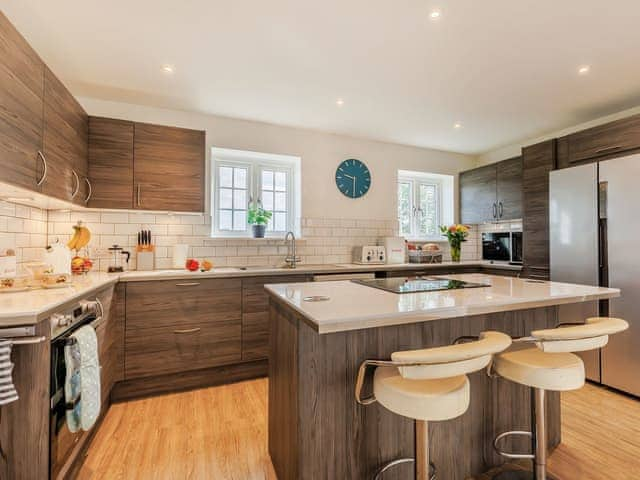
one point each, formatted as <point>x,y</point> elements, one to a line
<point>502,246</point>
<point>62,441</point>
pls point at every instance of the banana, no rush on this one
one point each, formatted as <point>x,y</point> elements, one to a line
<point>81,237</point>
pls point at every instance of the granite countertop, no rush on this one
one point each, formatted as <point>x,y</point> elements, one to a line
<point>353,306</point>
<point>27,308</point>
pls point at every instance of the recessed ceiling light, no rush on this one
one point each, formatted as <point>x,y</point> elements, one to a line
<point>584,69</point>
<point>340,102</point>
<point>435,14</point>
<point>457,125</point>
<point>167,68</point>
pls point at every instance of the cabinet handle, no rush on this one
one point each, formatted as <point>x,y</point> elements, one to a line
<point>138,195</point>
<point>86,200</point>
<point>188,284</point>
<point>77,187</point>
<point>495,211</point>
<point>44,172</point>
<point>609,149</point>
<point>188,330</point>
<point>501,210</point>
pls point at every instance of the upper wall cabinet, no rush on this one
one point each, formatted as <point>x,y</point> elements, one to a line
<point>65,143</point>
<point>492,192</point>
<point>21,99</point>
<point>111,162</point>
<point>603,141</point>
<point>169,168</point>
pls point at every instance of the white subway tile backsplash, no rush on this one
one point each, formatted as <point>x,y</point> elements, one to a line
<point>180,230</point>
<point>142,218</point>
<point>114,217</point>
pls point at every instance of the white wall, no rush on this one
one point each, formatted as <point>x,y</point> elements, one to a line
<point>514,149</point>
<point>320,152</point>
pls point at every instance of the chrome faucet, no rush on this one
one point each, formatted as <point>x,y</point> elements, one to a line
<point>291,259</point>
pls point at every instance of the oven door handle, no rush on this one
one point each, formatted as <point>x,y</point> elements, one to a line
<point>72,405</point>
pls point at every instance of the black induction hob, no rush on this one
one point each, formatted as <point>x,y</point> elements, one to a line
<point>417,284</point>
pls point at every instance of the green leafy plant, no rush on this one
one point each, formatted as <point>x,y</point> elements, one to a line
<point>256,215</point>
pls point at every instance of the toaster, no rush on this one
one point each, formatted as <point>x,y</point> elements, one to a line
<point>369,255</point>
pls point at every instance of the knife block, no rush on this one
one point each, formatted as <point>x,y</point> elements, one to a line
<point>146,258</point>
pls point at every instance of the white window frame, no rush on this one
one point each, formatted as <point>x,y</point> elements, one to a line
<point>255,163</point>
<point>444,213</point>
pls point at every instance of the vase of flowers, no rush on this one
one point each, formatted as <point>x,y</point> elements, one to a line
<point>456,234</point>
<point>258,218</point>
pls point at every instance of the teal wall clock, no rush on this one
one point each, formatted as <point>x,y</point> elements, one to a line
<point>353,178</point>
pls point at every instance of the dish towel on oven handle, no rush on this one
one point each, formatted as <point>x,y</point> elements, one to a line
<point>8,391</point>
<point>82,384</point>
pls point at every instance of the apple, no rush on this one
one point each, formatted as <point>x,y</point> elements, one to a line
<point>192,265</point>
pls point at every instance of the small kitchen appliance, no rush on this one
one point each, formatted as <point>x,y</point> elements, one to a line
<point>395,249</point>
<point>116,260</point>
<point>419,284</point>
<point>369,255</point>
<point>503,246</point>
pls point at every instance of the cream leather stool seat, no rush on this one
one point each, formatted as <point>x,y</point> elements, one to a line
<point>427,400</point>
<point>543,361</point>
<point>428,385</point>
<point>530,366</point>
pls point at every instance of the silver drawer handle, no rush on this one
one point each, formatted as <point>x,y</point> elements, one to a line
<point>44,172</point>
<point>77,187</point>
<point>188,284</point>
<point>138,194</point>
<point>609,149</point>
<point>189,330</point>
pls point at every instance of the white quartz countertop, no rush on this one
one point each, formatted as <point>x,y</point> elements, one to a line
<point>29,307</point>
<point>352,306</point>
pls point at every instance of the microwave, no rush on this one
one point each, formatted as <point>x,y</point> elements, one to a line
<point>502,247</point>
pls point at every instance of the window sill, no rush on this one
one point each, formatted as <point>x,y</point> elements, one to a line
<point>252,240</point>
<point>425,240</point>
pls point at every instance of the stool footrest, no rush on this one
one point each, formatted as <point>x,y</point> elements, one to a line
<point>401,461</point>
<point>512,454</point>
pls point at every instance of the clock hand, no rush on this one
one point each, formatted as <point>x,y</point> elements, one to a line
<point>354,186</point>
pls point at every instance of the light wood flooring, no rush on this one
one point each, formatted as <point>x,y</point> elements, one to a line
<point>221,433</point>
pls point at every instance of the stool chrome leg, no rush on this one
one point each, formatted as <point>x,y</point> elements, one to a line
<point>392,464</point>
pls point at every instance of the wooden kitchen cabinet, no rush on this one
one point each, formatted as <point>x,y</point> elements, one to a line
<point>65,143</point>
<point>111,162</point>
<point>492,192</point>
<point>21,99</point>
<point>110,333</point>
<point>603,141</point>
<point>177,326</point>
<point>169,168</point>
<point>255,314</point>
<point>478,195</point>
<point>538,161</point>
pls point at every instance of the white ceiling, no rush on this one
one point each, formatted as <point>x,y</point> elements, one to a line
<point>505,69</point>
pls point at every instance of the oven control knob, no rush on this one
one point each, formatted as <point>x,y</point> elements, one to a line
<point>62,320</point>
<point>89,306</point>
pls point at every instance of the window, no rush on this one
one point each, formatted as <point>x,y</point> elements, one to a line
<point>425,201</point>
<point>244,179</point>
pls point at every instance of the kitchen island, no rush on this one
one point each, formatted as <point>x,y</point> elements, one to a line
<point>316,428</point>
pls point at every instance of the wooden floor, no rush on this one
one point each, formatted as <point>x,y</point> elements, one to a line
<point>220,433</point>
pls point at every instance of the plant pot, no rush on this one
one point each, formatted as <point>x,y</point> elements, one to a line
<point>258,230</point>
<point>455,252</point>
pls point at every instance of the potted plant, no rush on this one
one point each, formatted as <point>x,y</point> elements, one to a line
<point>258,218</point>
<point>456,234</point>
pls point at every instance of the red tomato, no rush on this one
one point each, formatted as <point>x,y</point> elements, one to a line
<point>192,265</point>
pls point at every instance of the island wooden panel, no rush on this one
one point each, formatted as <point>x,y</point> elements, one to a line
<point>312,407</point>
<point>21,97</point>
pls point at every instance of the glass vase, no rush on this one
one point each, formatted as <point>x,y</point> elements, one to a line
<point>455,252</point>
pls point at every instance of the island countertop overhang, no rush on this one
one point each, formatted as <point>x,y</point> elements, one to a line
<point>353,307</point>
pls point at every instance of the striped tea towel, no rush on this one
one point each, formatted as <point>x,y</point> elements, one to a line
<point>8,392</point>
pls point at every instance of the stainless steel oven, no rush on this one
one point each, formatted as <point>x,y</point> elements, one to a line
<point>502,247</point>
<point>61,440</point>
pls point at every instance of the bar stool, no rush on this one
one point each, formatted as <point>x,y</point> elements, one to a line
<point>544,362</point>
<point>428,385</point>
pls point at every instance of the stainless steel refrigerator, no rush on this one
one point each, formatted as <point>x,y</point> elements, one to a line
<point>594,224</point>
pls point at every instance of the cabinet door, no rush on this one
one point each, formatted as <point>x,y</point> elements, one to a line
<point>478,195</point>
<point>111,162</point>
<point>168,168</point>
<point>177,326</point>
<point>538,160</point>
<point>21,97</point>
<point>65,142</point>
<point>255,314</point>
<point>110,333</point>
<point>509,186</point>
<point>604,140</point>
